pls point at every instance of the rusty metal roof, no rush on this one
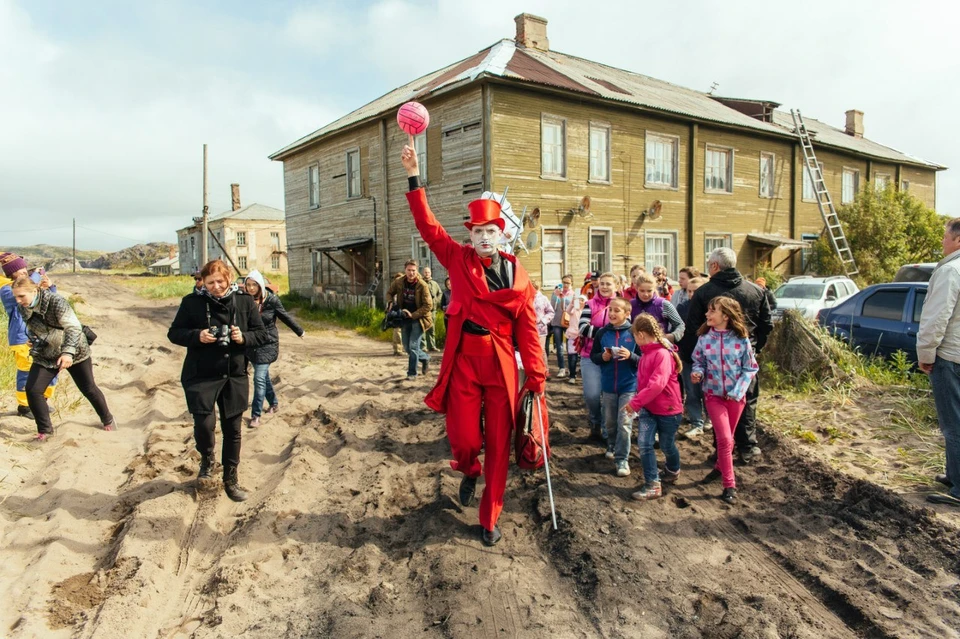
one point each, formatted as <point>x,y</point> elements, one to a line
<point>508,60</point>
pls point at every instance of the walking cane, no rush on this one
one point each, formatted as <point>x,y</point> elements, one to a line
<point>546,460</point>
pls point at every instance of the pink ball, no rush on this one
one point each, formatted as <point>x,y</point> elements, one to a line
<point>413,118</point>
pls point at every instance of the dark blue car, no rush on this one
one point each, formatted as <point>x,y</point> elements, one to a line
<point>879,320</point>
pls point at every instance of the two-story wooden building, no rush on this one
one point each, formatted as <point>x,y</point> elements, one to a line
<point>621,169</point>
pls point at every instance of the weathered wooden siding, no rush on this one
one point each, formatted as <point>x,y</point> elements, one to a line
<point>923,184</point>
<point>454,173</point>
<point>338,217</point>
<point>516,163</point>
<point>743,211</point>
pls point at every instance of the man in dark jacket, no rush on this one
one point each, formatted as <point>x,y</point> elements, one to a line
<point>726,280</point>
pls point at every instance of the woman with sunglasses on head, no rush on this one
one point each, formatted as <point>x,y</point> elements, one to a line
<point>216,326</point>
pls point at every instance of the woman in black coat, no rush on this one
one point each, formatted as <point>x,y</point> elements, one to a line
<point>271,310</point>
<point>217,326</point>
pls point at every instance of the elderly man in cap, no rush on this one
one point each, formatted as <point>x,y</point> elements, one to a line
<point>491,306</point>
<point>15,267</point>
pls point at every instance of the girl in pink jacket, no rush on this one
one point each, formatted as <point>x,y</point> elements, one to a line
<point>658,404</point>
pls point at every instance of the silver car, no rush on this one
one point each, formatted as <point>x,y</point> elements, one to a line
<point>809,295</point>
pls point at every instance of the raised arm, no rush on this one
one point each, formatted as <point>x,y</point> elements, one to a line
<point>432,232</point>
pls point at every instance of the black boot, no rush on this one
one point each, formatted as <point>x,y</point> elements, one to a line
<point>491,537</point>
<point>24,411</point>
<point>468,486</point>
<point>206,462</point>
<point>231,485</point>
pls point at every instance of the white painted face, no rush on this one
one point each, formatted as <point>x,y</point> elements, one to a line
<point>485,239</point>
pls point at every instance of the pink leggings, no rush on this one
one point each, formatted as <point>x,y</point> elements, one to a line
<point>724,413</point>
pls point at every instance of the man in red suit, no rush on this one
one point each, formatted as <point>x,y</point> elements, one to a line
<point>491,307</point>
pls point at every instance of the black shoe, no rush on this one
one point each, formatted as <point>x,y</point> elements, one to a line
<point>468,486</point>
<point>597,435</point>
<point>729,495</point>
<point>491,537</point>
<point>206,462</point>
<point>942,479</point>
<point>24,411</point>
<point>749,455</point>
<point>424,365</point>
<point>712,458</point>
<point>711,477</point>
<point>940,498</point>
<point>231,484</point>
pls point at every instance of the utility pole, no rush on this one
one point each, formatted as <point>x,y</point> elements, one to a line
<point>74,245</point>
<point>206,209</point>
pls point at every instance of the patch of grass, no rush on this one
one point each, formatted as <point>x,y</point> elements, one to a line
<point>159,288</point>
<point>8,365</point>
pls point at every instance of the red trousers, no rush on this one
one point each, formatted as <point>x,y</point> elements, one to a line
<point>477,382</point>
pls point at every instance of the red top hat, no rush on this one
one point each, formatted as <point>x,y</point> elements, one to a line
<point>484,212</point>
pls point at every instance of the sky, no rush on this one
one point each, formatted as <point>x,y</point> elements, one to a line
<point>105,104</point>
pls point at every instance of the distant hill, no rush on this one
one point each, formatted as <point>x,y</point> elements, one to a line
<point>54,258</point>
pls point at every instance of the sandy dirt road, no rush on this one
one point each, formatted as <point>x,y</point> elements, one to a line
<point>353,529</point>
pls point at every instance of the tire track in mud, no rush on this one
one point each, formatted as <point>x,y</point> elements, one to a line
<point>795,553</point>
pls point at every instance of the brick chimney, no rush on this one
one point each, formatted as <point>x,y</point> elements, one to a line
<point>854,123</point>
<point>235,196</point>
<point>173,252</point>
<point>532,32</point>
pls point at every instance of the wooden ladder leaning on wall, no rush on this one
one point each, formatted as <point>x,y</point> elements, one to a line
<point>833,227</point>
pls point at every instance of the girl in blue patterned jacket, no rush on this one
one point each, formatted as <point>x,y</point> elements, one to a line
<point>724,362</point>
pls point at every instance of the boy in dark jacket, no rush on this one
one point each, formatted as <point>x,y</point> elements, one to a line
<point>616,352</point>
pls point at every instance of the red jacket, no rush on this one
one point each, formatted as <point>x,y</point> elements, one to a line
<point>507,313</point>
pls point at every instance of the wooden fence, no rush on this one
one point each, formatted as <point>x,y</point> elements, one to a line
<point>332,299</point>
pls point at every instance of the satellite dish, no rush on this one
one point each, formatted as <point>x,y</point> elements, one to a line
<point>533,219</point>
<point>583,210</point>
<point>532,241</point>
<point>654,212</point>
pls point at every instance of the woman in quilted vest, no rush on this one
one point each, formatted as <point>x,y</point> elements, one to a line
<point>57,343</point>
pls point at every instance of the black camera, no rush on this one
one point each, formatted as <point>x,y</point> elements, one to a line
<point>393,318</point>
<point>222,333</point>
<point>36,345</point>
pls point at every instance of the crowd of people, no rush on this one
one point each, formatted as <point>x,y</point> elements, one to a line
<point>649,356</point>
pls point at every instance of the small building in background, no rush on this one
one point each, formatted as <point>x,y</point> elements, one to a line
<point>248,237</point>
<point>169,265</point>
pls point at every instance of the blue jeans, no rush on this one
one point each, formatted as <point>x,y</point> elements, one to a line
<point>411,333</point>
<point>648,427</point>
<point>590,373</point>
<point>693,401</point>
<point>262,388</point>
<point>945,379</point>
<point>559,341</point>
<point>618,424</point>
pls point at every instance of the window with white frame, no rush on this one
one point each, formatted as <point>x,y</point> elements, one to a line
<point>242,262</point>
<point>353,173</point>
<point>713,241</point>
<point>600,254</point>
<point>661,160</point>
<point>810,193</point>
<point>905,185</point>
<point>850,186</point>
<point>420,146</point>
<point>660,249</point>
<point>553,161</point>
<point>718,170</point>
<point>768,163</point>
<point>241,238</point>
<point>313,181</point>
<point>275,262</point>
<point>275,240</point>
<point>553,256</point>
<point>599,152</point>
<point>881,181</point>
